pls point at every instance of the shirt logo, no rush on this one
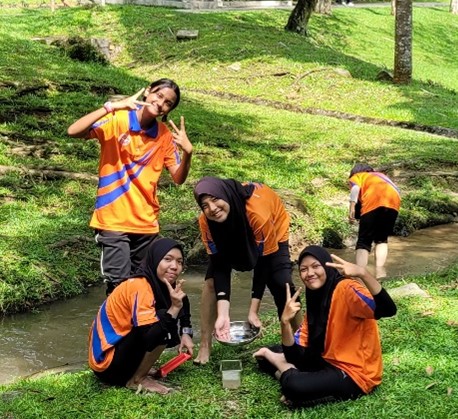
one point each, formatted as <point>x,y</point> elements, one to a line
<point>124,139</point>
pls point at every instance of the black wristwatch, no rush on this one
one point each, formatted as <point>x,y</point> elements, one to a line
<point>187,330</point>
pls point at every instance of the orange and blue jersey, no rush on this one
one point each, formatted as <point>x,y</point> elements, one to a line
<point>131,162</point>
<point>376,190</point>
<point>266,216</point>
<point>352,341</point>
<point>130,305</point>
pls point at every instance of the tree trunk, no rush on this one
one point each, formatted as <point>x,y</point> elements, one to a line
<point>403,42</point>
<point>53,5</point>
<point>323,7</point>
<point>300,16</point>
<point>393,7</point>
<point>454,7</point>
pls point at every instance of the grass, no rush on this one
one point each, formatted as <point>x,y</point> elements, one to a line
<point>420,375</point>
<point>47,248</point>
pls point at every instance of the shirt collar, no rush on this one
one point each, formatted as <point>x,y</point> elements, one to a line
<point>134,125</point>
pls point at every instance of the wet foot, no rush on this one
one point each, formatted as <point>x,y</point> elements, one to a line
<point>149,385</point>
<point>202,357</point>
<point>380,272</point>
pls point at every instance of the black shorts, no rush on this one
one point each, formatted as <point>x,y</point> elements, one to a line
<point>121,254</point>
<point>375,227</point>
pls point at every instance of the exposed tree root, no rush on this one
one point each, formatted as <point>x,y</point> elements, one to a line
<point>49,174</point>
<point>442,131</point>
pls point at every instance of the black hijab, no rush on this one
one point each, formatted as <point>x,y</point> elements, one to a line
<point>148,269</point>
<point>234,237</point>
<point>319,301</point>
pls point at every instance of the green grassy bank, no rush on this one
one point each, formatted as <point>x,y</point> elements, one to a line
<point>268,131</point>
<point>420,376</point>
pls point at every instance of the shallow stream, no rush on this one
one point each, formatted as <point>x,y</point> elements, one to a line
<point>56,334</point>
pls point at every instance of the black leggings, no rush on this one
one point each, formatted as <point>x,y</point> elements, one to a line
<point>275,271</point>
<point>129,353</point>
<point>315,382</point>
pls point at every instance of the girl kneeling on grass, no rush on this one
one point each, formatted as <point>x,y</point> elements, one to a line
<point>140,319</point>
<point>336,353</point>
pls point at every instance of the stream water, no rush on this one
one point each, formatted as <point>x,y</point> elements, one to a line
<point>56,334</point>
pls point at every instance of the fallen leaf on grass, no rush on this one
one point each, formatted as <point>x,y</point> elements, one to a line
<point>430,385</point>
<point>449,391</point>
<point>429,370</point>
<point>396,361</point>
<point>452,323</point>
<point>427,313</point>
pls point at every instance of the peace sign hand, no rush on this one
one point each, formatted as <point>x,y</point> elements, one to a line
<point>130,102</point>
<point>176,294</point>
<point>180,137</point>
<point>346,268</point>
<point>292,306</point>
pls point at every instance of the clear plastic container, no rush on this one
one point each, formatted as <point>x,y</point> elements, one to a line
<point>231,372</point>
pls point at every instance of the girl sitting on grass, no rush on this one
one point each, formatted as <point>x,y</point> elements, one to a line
<point>336,353</point>
<point>140,319</point>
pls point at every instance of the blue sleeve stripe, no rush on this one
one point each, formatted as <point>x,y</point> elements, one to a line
<point>387,180</point>
<point>369,301</point>
<point>297,336</point>
<point>110,334</point>
<point>134,314</point>
<point>97,352</point>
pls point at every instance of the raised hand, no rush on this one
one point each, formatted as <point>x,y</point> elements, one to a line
<point>346,268</point>
<point>180,137</point>
<point>292,306</point>
<point>130,102</point>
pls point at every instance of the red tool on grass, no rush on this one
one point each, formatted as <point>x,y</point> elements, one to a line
<point>172,364</point>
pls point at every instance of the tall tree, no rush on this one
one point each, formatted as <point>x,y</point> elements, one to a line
<point>403,42</point>
<point>300,16</point>
<point>454,7</point>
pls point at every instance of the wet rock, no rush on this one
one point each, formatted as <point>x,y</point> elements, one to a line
<point>408,290</point>
<point>197,255</point>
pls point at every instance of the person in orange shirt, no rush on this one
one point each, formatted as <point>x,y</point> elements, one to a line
<point>135,147</point>
<point>335,354</point>
<point>243,227</point>
<point>140,318</point>
<point>379,201</point>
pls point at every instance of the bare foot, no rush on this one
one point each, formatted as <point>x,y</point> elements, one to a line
<point>203,356</point>
<point>261,353</point>
<point>152,372</point>
<point>380,272</point>
<point>149,385</point>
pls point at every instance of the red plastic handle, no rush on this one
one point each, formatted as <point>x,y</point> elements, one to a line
<point>172,364</point>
